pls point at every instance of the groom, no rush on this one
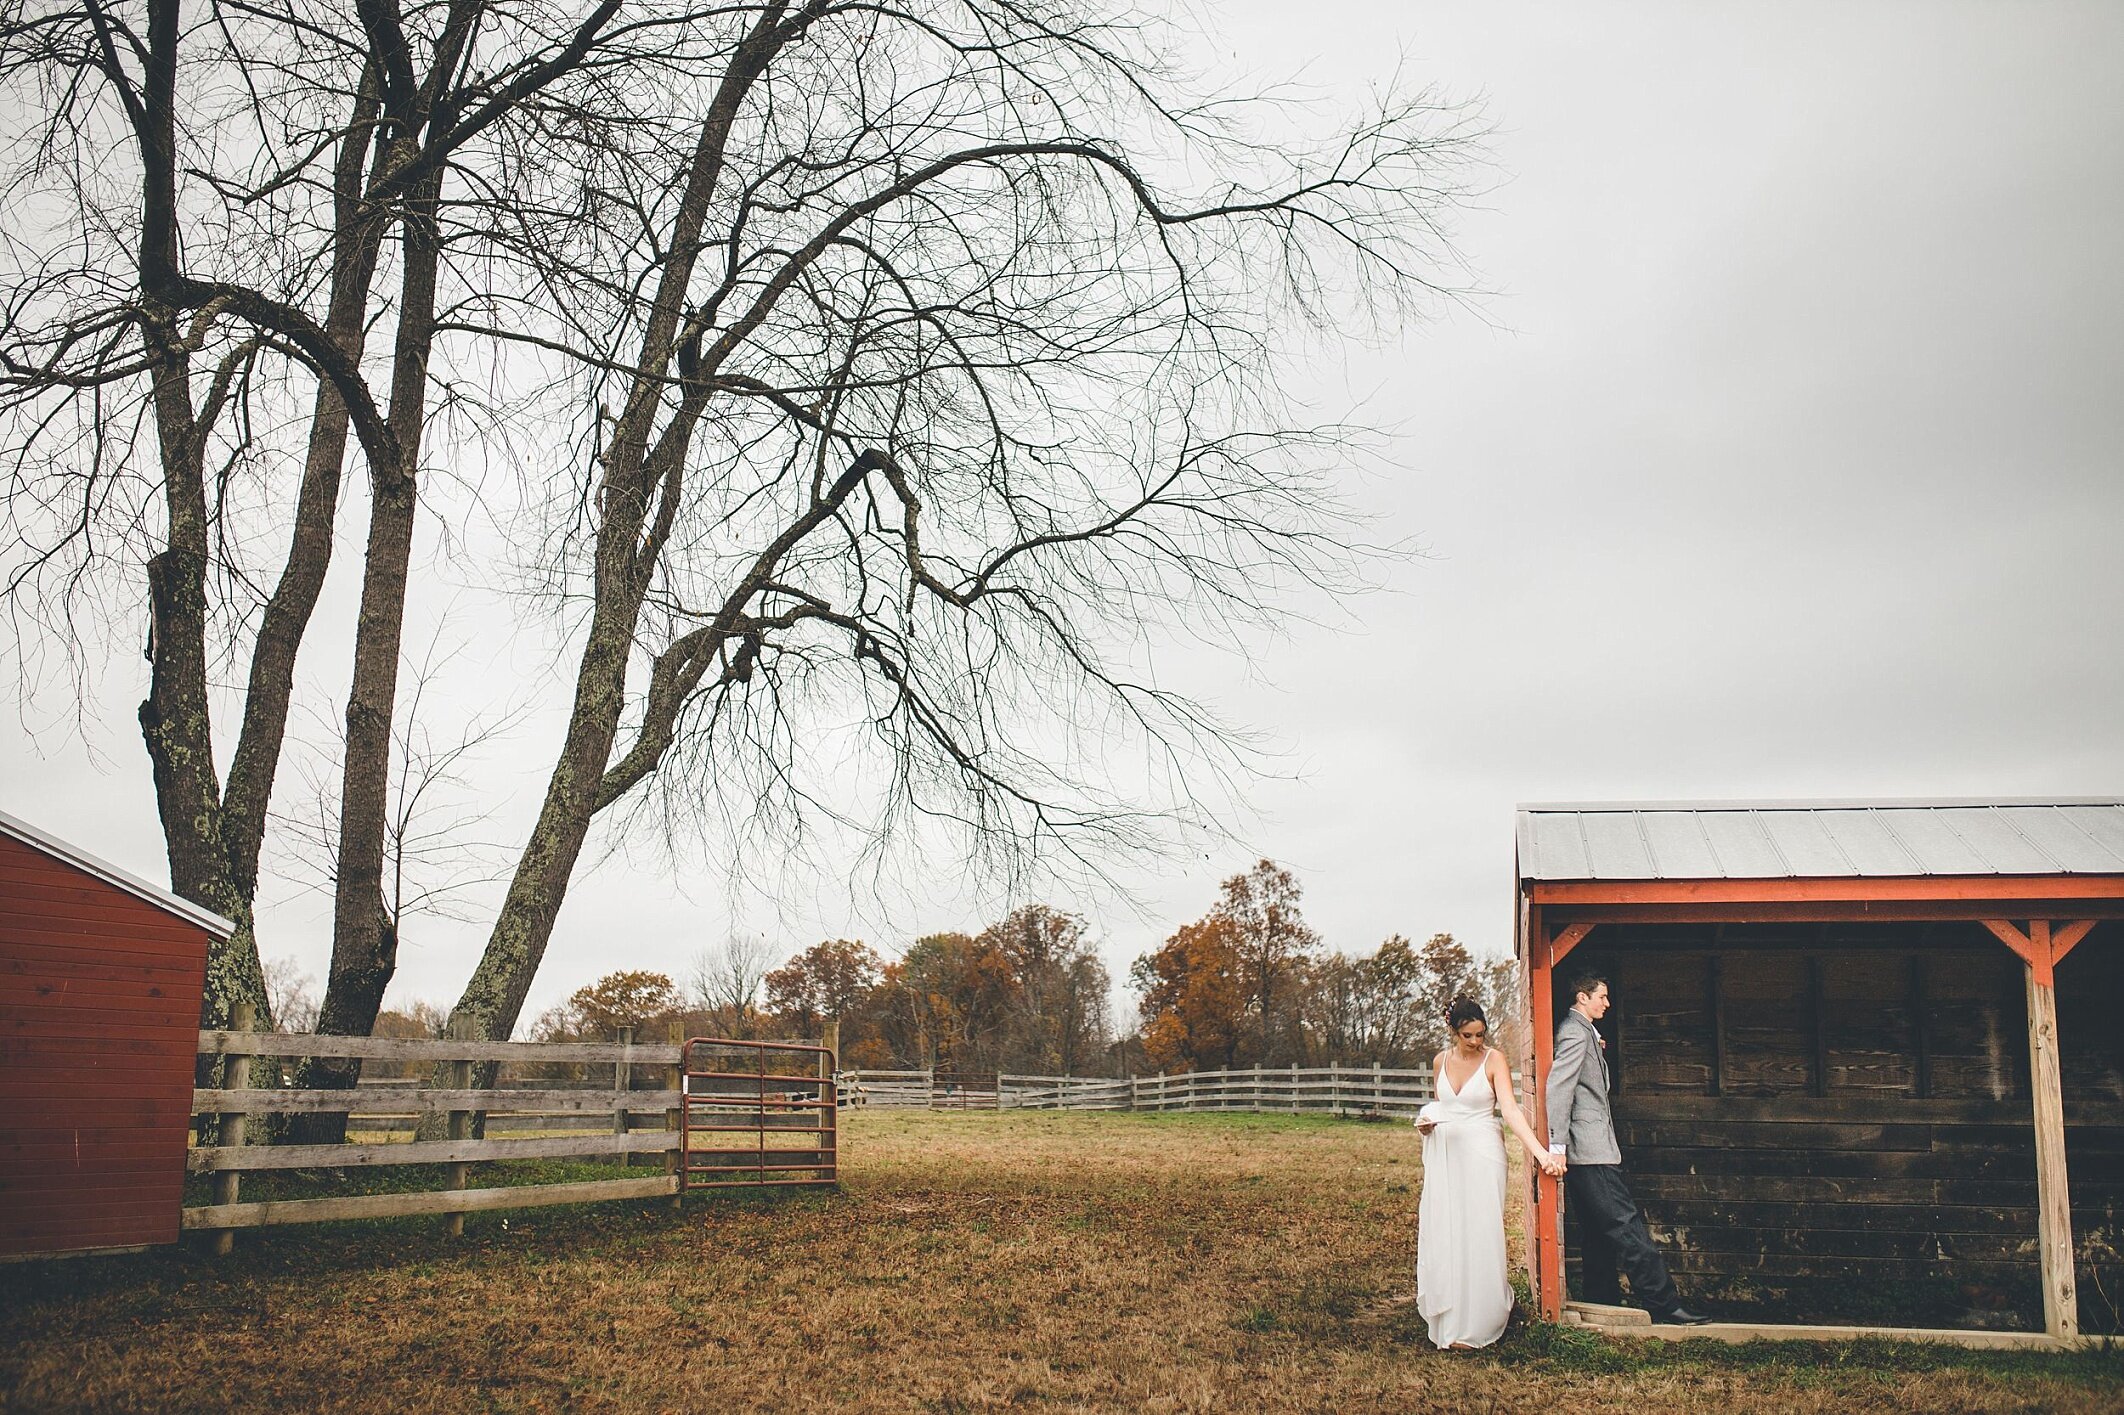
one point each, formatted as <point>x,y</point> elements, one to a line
<point>1579,1120</point>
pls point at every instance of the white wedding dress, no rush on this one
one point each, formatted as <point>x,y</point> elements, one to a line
<point>1461,1286</point>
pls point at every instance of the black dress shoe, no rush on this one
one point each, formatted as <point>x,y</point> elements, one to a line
<point>1681,1317</point>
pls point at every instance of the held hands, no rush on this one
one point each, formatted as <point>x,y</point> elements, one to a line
<point>1552,1165</point>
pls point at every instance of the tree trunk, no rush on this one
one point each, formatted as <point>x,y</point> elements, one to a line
<point>364,930</point>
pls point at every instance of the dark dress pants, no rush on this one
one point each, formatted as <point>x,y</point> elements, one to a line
<point>1613,1232</point>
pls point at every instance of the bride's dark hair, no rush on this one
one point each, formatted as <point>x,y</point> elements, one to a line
<point>1463,1011</point>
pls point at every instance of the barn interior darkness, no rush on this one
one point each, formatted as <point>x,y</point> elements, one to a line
<point>1833,1121</point>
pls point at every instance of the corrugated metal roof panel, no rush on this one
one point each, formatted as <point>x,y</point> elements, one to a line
<point>1870,846</point>
<point>1803,844</point>
<point>1616,847</point>
<point>2004,850</point>
<point>1937,846</point>
<point>2104,826</point>
<point>1742,846</point>
<point>1822,839</point>
<point>1679,847</point>
<point>2050,830</point>
<point>1559,849</point>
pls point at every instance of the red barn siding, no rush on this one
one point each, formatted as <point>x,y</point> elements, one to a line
<point>99,1023</point>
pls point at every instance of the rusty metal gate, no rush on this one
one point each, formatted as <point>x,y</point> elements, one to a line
<point>754,1113</point>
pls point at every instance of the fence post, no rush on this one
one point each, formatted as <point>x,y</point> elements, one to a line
<point>228,1183</point>
<point>674,1079</point>
<point>622,1080</point>
<point>461,1030</point>
<point>1378,1088</point>
<point>1294,1088</point>
<point>1131,1090</point>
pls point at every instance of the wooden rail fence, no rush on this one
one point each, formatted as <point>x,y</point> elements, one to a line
<point>634,1113</point>
<point>1335,1090</point>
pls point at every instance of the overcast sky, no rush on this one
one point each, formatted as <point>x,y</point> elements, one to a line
<point>1781,460</point>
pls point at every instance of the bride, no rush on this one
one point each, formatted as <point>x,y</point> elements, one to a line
<point>1461,1286</point>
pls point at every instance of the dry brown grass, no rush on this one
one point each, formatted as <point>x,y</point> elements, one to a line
<point>971,1262</point>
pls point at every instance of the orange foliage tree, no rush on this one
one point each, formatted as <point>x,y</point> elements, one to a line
<point>1193,996</point>
<point>827,982</point>
<point>624,999</point>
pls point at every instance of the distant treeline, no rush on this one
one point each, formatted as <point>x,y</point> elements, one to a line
<point>1249,983</point>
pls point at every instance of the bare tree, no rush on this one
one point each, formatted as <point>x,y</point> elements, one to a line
<point>255,170</point>
<point>895,376</point>
<point>925,363</point>
<point>726,980</point>
<point>291,993</point>
<point>439,850</point>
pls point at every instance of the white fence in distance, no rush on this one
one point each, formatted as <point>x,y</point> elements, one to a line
<point>1326,1090</point>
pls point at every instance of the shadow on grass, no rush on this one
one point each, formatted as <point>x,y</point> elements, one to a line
<point>388,1245</point>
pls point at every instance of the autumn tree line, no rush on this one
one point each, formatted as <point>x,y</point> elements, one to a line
<point>1250,983</point>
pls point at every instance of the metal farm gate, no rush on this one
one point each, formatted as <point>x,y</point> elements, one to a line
<point>756,1113</point>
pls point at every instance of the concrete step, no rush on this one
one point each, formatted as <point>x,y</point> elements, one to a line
<point>1598,1314</point>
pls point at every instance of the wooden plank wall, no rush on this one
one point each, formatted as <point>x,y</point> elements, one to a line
<point>1835,1121</point>
<point>99,1018</point>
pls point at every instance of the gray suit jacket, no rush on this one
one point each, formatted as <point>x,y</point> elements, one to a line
<point>1578,1095</point>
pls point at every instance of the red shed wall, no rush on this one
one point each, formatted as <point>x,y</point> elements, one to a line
<point>99,1023</point>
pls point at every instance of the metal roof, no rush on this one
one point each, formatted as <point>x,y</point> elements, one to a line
<point>1648,840</point>
<point>162,899</point>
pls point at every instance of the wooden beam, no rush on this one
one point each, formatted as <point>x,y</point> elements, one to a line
<point>278,1211</point>
<point>437,1049</point>
<point>1861,911</point>
<point>457,1151</point>
<point>397,1100</point>
<point>2061,1304</point>
<point>1567,938</point>
<point>1763,891</point>
<point>2065,936</point>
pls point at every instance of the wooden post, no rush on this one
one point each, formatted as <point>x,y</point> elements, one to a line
<point>1294,1088</point>
<point>1131,1090</point>
<point>2061,1301</point>
<point>461,1030</point>
<point>674,1079</point>
<point>1378,1087</point>
<point>1545,1224</point>
<point>622,1081</point>
<point>228,1183</point>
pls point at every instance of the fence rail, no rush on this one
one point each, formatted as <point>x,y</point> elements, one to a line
<point>636,1112</point>
<point>1336,1090</point>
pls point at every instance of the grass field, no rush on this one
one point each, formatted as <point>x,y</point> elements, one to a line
<point>970,1262</point>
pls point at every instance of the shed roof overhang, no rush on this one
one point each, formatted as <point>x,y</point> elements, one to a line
<point>1836,900</point>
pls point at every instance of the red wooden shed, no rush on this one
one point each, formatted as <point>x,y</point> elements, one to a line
<point>1863,1054</point>
<point>100,983</point>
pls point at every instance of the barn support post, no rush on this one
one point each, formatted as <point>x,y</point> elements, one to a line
<point>1544,952</point>
<point>1545,1225</point>
<point>228,1183</point>
<point>2039,952</point>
